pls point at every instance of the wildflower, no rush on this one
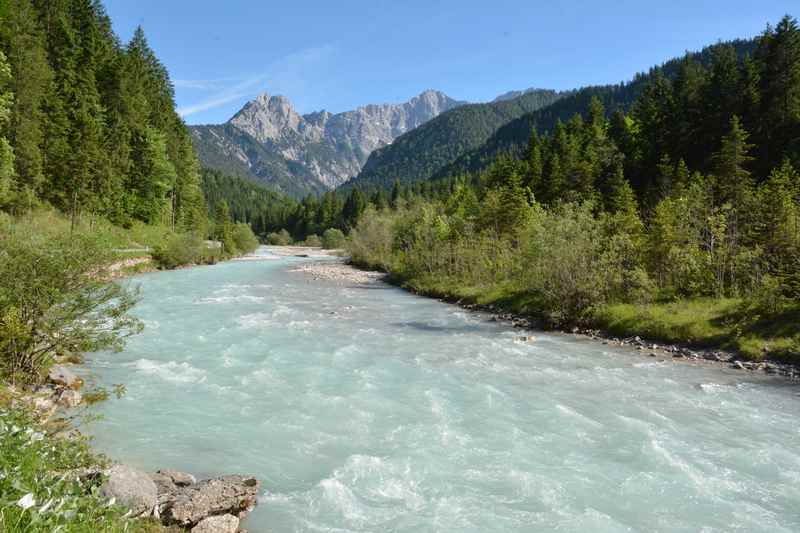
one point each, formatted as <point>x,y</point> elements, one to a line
<point>27,501</point>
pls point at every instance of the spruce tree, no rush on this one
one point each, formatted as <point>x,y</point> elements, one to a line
<point>730,162</point>
<point>24,39</point>
<point>6,152</point>
<point>535,163</point>
<point>779,55</point>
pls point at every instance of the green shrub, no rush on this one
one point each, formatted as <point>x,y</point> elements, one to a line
<point>333,239</point>
<point>244,238</point>
<point>281,238</point>
<point>55,298</point>
<point>180,249</point>
<point>313,240</point>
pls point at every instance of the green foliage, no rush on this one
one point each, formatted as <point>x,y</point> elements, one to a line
<point>333,239</point>
<point>54,299</point>
<point>40,491</point>
<point>244,239</point>
<point>181,249</point>
<point>312,240</point>
<point>279,238</point>
<point>223,228</point>
<point>264,209</point>
<point>92,124</point>
<point>6,152</point>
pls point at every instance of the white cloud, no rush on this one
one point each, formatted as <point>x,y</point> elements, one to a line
<point>287,74</point>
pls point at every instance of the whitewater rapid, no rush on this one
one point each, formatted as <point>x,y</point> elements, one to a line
<point>365,408</point>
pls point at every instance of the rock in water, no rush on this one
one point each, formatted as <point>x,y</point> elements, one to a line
<point>61,375</point>
<point>225,523</point>
<point>235,495</point>
<point>181,479</point>
<point>131,488</point>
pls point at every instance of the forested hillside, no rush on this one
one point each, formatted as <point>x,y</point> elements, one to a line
<point>90,121</point>
<point>470,138</point>
<point>679,220</point>
<point>512,138</point>
<point>264,209</point>
<point>418,154</point>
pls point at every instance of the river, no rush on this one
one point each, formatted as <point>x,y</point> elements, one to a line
<point>365,408</point>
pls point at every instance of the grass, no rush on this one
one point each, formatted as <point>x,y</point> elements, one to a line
<point>726,323</point>
<point>709,323</point>
<point>40,490</point>
<point>51,222</point>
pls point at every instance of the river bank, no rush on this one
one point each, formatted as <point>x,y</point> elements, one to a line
<point>680,352</point>
<point>57,472</point>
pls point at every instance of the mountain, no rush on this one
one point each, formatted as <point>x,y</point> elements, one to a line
<point>418,154</point>
<point>269,141</point>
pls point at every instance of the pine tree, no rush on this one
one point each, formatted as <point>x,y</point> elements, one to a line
<point>733,178</point>
<point>223,228</point>
<point>6,152</point>
<point>353,207</point>
<point>687,112</point>
<point>379,199</point>
<point>397,194</point>
<point>723,99</point>
<point>779,55</point>
<point>23,38</point>
<point>535,163</point>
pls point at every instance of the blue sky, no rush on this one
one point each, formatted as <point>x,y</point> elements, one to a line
<point>339,54</point>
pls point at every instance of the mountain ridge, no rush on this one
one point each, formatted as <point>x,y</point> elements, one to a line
<point>269,141</point>
<point>417,154</point>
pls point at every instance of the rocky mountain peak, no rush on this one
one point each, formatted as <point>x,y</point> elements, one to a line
<point>266,117</point>
<point>330,148</point>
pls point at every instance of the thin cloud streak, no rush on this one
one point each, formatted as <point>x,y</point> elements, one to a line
<point>288,71</point>
<point>239,90</point>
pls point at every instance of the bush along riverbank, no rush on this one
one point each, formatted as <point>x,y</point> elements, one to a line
<point>58,301</point>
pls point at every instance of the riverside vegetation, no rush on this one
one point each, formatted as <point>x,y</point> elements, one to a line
<point>679,220</point>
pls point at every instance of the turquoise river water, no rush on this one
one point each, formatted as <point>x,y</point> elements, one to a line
<point>365,408</point>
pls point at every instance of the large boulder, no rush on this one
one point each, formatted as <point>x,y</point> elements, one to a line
<point>235,495</point>
<point>225,523</point>
<point>61,375</point>
<point>131,488</point>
